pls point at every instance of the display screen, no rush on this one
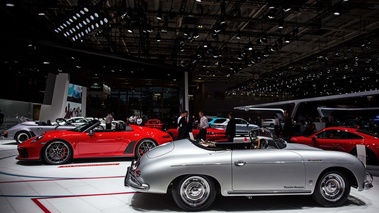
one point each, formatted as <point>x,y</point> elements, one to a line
<point>74,93</point>
<point>74,101</point>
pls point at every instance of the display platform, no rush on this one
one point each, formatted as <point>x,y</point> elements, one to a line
<point>94,186</point>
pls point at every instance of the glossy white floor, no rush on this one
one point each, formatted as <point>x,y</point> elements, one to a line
<point>97,187</point>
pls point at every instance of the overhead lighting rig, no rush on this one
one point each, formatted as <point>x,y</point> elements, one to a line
<point>82,22</point>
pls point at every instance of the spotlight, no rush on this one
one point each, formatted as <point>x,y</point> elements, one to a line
<point>159,14</point>
<point>158,37</point>
<point>238,36</point>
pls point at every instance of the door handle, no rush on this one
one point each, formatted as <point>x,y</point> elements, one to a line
<point>239,163</point>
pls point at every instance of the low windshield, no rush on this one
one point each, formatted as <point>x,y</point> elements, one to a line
<point>86,126</point>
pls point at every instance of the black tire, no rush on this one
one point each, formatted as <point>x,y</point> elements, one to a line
<point>194,193</point>
<point>57,152</point>
<point>143,146</point>
<point>332,189</point>
<point>22,136</point>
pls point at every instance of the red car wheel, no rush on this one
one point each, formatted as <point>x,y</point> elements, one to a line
<point>144,146</point>
<point>57,152</point>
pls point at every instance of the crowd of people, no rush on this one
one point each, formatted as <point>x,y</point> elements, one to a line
<point>284,127</point>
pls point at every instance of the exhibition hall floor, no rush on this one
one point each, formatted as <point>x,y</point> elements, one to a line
<point>94,186</point>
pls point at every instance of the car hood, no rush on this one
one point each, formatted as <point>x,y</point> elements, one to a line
<point>160,150</point>
<point>179,147</point>
<point>295,146</point>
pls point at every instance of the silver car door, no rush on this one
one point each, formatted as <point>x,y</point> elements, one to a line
<point>242,127</point>
<point>267,170</point>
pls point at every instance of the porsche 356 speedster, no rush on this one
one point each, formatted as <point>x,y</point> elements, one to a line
<point>194,172</point>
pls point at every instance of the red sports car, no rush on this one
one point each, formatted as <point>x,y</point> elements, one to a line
<point>154,123</point>
<point>90,141</point>
<point>213,134</point>
<point>343,139</point>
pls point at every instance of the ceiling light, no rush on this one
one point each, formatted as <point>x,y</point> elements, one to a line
<point>9,4</point>
<point>222,21</point>
<point>159,15</point>
<point>238,36</point>
<point>195,34</point>
<point>286,9</point>
<point>130,29</point>
<point>287,40</point>
<point>281,24</point>
<point>158,37</point>
<point>163,30</point>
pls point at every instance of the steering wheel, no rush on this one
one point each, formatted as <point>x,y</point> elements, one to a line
<point>263,144</point>
<point>253,135</point>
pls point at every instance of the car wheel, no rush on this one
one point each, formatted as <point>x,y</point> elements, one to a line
<point>57,152</point>
<point>194,193</point>
<point>22,136</point>
<point>144,146</point>
<point>272,125</point>
<point>332,189</point>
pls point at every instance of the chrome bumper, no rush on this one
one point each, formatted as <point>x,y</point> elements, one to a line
<point>132,181</point>
<point>368,181</point>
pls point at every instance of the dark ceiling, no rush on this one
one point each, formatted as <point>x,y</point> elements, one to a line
<point>325,54</point>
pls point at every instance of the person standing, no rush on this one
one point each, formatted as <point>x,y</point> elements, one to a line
<point>139,120</point>
<point>184,125</point>
<point>108,121</point>
<point>231,127</point>
<point>331,122</point>
<point>203,125</point>
<point>276,124</point>
<point>288,128</point>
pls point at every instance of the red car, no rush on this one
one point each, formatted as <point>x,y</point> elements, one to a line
<point>154,123</point>
<point>343,139</point>
<point>213,134</point>
<point>90,141</point>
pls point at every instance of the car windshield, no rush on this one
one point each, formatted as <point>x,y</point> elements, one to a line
<point>86,126</point>
<point>219,120</point>
<point>267,140</point>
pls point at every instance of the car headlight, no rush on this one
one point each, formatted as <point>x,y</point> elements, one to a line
<point>37,138</point>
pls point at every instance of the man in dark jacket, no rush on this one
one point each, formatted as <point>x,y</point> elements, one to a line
<point>231,127</point>
<point>184,125</point>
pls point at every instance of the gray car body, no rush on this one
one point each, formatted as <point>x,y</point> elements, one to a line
<point>293,170</point>
<point>29,129</point>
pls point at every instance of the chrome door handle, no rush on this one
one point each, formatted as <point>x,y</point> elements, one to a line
<point>239,163</point>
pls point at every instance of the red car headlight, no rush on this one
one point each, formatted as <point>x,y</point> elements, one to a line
<point>37,138</point>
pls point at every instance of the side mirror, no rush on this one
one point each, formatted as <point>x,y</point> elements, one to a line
<point>91,132</point>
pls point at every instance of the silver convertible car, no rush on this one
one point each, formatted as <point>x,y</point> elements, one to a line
<point>27,129</point>
<point>195,172</point>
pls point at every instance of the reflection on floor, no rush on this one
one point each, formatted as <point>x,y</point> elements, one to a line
<point>97,187</point>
